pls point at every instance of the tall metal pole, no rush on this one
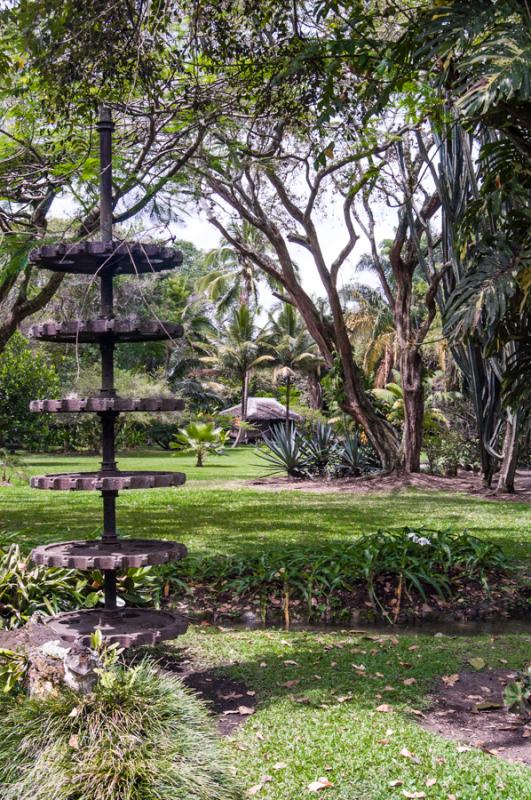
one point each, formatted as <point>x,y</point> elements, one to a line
<point>108,418</point>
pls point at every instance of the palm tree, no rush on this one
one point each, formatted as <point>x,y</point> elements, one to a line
<point>233,279</point>
<point>373,332</point>
<point>291,346</point>
<point>237,349</point>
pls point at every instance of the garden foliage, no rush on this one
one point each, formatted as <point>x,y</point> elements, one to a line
<point>26,588</point>
<point>415,563</point>
<point>141,735</point>
<point>319,452</point>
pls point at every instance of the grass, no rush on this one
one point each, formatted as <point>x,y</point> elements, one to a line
<point>307,727</point>
<point>213,512</point>
<point>327,724</point>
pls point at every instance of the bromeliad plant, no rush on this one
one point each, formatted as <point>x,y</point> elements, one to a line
<point>284,452</point>
<point>25,589</point>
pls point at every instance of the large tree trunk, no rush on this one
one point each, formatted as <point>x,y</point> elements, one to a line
<point>411,372</point>
<point>315,391</point>
<point>383,373</point>
<point>510,456</point>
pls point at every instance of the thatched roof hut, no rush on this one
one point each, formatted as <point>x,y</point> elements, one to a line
<point>263,413</point>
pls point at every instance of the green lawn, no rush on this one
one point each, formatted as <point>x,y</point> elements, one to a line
<point>327,723</point>
<point>215,512</point>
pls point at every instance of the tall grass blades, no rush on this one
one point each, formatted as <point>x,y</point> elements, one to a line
<point>140,736</point>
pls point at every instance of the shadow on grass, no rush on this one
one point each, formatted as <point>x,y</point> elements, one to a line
<point>312,669</point>
<point>239,521</point>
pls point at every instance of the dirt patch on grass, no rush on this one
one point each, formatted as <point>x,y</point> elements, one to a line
<point>229,700</point>
<point>456,713</point>
<point>467,482</point>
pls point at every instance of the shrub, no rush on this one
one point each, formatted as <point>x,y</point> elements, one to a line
<point>141,735</point>
<point>24,375</point>
<point>413,560</point>
<point>25,588</point>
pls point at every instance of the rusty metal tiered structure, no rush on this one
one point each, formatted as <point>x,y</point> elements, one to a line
<point>104,259</point>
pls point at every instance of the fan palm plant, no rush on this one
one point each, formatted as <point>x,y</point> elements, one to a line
<point>200,438</point>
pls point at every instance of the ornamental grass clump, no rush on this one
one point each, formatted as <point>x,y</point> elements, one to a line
<point>142,735</point>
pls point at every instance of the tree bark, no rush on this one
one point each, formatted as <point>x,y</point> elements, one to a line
<point>510,456</point>
<point>383,373</point>
<point>411,372</point>
<point>315,391</point>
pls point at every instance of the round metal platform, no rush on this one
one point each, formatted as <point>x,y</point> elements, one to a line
<point>103,404</point>
<point>121,329</point>
<point>118,258</point>
<point>122,554</point>
<point>127,627</point>
<point>108,481</point>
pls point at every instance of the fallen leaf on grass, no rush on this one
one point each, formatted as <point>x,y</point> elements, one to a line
<point>412,795</point>
<point>280,765</point>
<point>74,742</point>
<point>487,705</point>
<point>290,663</point>
<point>477,663</point>
<point>243,710</point>
<point>409,681</point>
<point>256,788</point>
<point>405,753</point>
<point>396,783</point>
<point>384,708</point>
<point>320,783</point>
<point>450,680</point>
<point>290,684</point>
<point>300,699</point>
<point>431,781</point>
<point>344,698</point>
<point>463,748</point>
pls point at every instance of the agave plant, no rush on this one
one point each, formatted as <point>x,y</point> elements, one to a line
<point>200,438</point>
<point>321,448</point>
<point>284,451</point>
<point>354,457</point>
